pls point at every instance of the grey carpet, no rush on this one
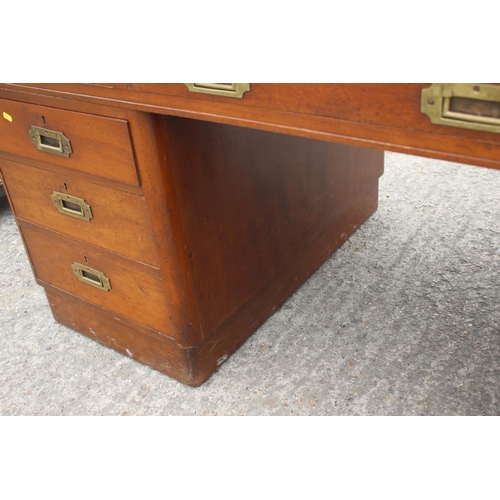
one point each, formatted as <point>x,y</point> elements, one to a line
<point>403,320</point>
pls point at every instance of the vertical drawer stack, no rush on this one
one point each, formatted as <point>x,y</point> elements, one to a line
<point>73,185</point>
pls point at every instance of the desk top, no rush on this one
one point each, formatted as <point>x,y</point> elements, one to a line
<point>380,116</point>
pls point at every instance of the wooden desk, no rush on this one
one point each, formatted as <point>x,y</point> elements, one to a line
<point>169,224</point>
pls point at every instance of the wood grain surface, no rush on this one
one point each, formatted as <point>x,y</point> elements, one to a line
<point>247,201</point>
<point>120,221</point>
<point>101,146</point>
<point>380,116</point>
<point>136,290</point>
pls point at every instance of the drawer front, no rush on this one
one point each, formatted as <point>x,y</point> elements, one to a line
<point>135,292</point>
<point>86,143</point>
<point>118,220</point>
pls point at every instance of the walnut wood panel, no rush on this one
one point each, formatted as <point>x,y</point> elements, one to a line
<point>136,290</point>
<point>120,221</point>
<point>101,146</point>
<point>382,116</point>
<point>248,201</point>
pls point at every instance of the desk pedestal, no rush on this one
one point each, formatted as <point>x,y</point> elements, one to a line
<point>232,221</point>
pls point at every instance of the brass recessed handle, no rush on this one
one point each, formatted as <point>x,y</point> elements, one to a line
<point>50,141</point>
<point>91,276</point>
<point>71,205</point>
<point>467,105</point>
<point>221,89</point>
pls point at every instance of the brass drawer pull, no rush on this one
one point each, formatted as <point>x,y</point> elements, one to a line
<point>72,206</point>
<point>222,89</point>
<point>50,141</point>
<point>91,276</point>
<point>465,105</point>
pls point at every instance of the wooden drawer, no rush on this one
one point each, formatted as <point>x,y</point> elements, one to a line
<point>136,290</point>
<point>375,104</point>
<point>119,221</point>
<point>99,146</point>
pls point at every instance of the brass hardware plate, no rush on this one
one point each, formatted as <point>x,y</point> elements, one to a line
<point>50,141</point>
<point>71,205</point>
<point>472,106</point>
<point>222,89</point>
<point>91,276</point>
